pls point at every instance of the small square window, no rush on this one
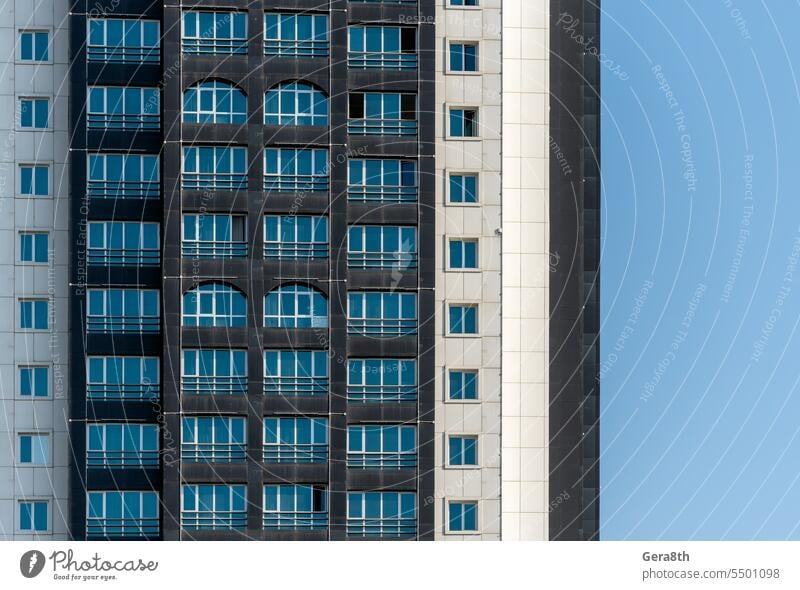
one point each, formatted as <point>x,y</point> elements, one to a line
<point>463,57</point>
<point>463,385</point>
<point>33,516</point>
<point>33,314</point>
<point>33,45</point>
<point>33,449</point>
<point>34,113</point>
<point>33,247</point>
<point>463,188</point>
<point>462,451</point>
<point>33,381</point>
<point>34,181</point>
<point>463,319</point>
<point>462,517</point>
<point>463,122</point>
<point>463,254</point>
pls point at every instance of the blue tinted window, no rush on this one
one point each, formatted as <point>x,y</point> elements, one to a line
<point>463,450</point>
<point>463,385</point>
<point>34,45</point>
<point>33,247</point>
<point>463,319</point>
<point>34,113</point>
<point>463,254</point>
<point>463,517</point>
<point>463,123</point>
<point>34,180</point>
<point>33,381</point>
<point>33,314</point>
<point>33,516</point>
<point>463,57</point>
<point>463,188</point>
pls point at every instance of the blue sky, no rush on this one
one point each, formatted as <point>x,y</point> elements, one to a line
<point>700,278</point>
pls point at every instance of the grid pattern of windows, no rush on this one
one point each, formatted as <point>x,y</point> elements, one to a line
<point>296,237</point>
<point>214,102</point>
<point>213,372</point>
<point>295,440</point>
<point>33,314</point>
<point>295,103</point>
<point>33,516</point>
<point>33,449</point>
<point>296,35</point>
<point>382,380</point>
<point>123,176</point>
<point>296,170</point>
<point>214,305</point>
<point>295,372</point>
<point>123,243</point>
<point>34,113</point>
<point>387,181</point>
<point>214,33</point>
<point>123,310</point>
<point>34,180</point>
<point>382,113</point>
<point>33,247</point>
<point>295,306</point>
<point>382,48</point>
<point>295,507</point>
<point>122,445</point>
<point>212,506</point>
<point>215,439</point>
<point>122,515</point>
<point>382,246</point>
<point>214,235</point>
<point>382,314</point>
<point>381,514</point>
<point>462,451</point>
<point>122,377</point>
<point>381,446</point>
<point>214,168</point>
<point>34,45</point>
<point>123,40</point>
<point>123,107</point>
<point>34,381</point>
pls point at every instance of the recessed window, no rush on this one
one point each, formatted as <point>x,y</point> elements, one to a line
<point>33,516</point>
<point>295,104</point>
<point>382,113</point>
<point>34,180</point>
<point>33,247</point>
<point>123,107</point>
<point>463,57</point>
<point>463,385</point>
<point>33,113</point>
<point>33,45</point>
<point>214,33</point>
<point>463,122</point>
<point>33,449</point>
<point>123,40</point>
<point>462,517</point>
<point>33,381</point>
<point>122,515</point>
<point>214,305</point>
<point>123,310</point>
<point>295,35</point>
<point>463,319</point>
<point>462,451</point>
<point>295,306</point>
<point>214,102</point>
<point>463,254</point>
<point>33,314</point>
<point>463,188</point>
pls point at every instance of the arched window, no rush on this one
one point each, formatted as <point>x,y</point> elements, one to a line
<point>214,102</point>
<point>295,306</point>
<point>214,305</point>
<point>295,103</point>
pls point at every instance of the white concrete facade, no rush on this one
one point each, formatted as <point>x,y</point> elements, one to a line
<point>22,348</point>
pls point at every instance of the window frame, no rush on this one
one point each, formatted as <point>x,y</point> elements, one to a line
<point>34,381</point>
<point>295,90</point>
<point>463,240</point>
<point>368,259</point>
<point>381,125</point>
<point>146,119</point>
<point>315,321</point>
<point>448,388</point>
<point>317,384</point>
<point>462,436</point>
<point>34,181</point>
<point>281,249</point>
<point>122,53</point>
<point>214,45</point>
<point>33,530</point>
<point>294,452</point>
<point>366,325</point>
<point>280,46</point>
<point>402,59</point>
<point>214,451</point>
<point>35,101</point>
<point>297,181</point>
<point>295,520</point>
<point>123,189</point>
<point>382,193</point>
<point>34,247</point>
<point>137,457</point>
<point>366,396</point>
<point>237,518</point>
<point>34,31</point>
<point>217,247</point>
<point>108,362</point>
<point>232,296</point>
<point>214,181</point>
<point>449,43</point>
<point>462,502</point>
<point>109,324</point>
<point>110,256</point>
<point>217,89</point>
<point>448,179</point>
<point>139,521</point>
<point>235,384</point>
<point>383,459</point>
<point>464,305</point>
<point>35,303</point>
<point>464,108</point>
<point>18,462</point>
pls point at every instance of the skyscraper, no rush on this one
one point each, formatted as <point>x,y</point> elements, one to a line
<point>332,270</point>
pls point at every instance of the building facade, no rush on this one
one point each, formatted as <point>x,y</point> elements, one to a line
<point>332,271</point>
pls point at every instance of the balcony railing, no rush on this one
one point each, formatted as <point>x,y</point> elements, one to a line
<point>381,60</point>
<point>401,127</point>
<point>382,527</point>
<point>214,181</point>
<point>122,528</point>
<point>216,46</point>
<point>114,323</point>
<point>295,521</point>
<point>117,54</point>
<point>296,48</point>
<point>218,249</point>
<point>381,393</point>
<point>367,260</point>
<point>381,327</point>
<point>296,183</point>
<point>213,452</point>
<point>128,122</point>
<point>214,520</point>
<point>123,189</point>
<point>122,459</point>
<point>296,250</point>
<point>295,386</point>
<point>207,385</point>
<point>382,193</point>
<point>124,257</point>
<point>380,460</point>
<point>122,391</point>
<point>295,453</point>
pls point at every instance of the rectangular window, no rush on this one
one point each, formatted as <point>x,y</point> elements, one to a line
<point>123,40</point>
<point>382,113</point>
<point>213,507</point>
<point>122,515</point>
<point>122,377</point>
<point>34,381</point>
<point>463,188</point>
<point>123,243</point>
<point>214,168</point>
<point>123,176</point>
<point>123,107</point>
<point>34,181</point>
<point>295,372</point>
<point>382,48</point>
<point>211,235</point>
<point>295,440</point>
<point>463,254</point>
<point>214,33</point>
<point>387,181</point>
<point>381,380</point>
<point>214,372</point>
<point>292,170</point>
<point>462,517</point>
<point>295,237</point>
<point>122,446</point>
<point>123,310</point>
<point>381,446</point>
<point>33,516</point>
<point>382,246</point>
<point>463,2</point>
<point>463,122</point>
<point>462,451</point>
<point>33,449</point>
<point>382,314</point>
<point>33,247</point>
<point>381,514</point>
<point>463,57</point>
<point>295,507</point>
<point>296,35</point>
<point>463,385</point>
<point>34,113</point>
<point>463,319</point>
<point>34,45</point>
<point>33,314</point>
<point>213,439</point>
